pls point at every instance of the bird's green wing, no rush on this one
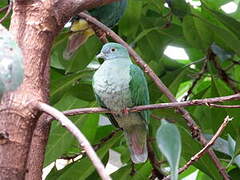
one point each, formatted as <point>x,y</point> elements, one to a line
<point>139,89</point>
<point>109,115</point>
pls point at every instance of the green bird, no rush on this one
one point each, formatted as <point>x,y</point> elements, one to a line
<point>109,15</point>
<point>119,84</point>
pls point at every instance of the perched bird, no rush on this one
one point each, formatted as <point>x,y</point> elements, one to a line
<point>109,15</point>
<point>119,84</point>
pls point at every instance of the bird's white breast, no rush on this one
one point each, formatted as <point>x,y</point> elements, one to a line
<point>111,84</point>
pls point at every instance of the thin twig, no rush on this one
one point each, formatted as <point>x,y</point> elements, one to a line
<point>153,160</point>
<point>8,11</point>
<point>199,76</point>
<point>197,102</point>
<point>222,74</point>
<point>195,130</point>
<point>4,8</point>
<point>224,106</point>
<point>100,33</point>
<point>105,139</point>
<point>77,133</point>
<point>235,62</point>
<point>95,146</point>
<point>209,144</point>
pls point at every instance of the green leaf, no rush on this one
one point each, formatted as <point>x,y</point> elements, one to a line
<point>81,58</point>
<point>228,21</point>
<point>83,167</point>
<point>60,140</point>
<point>190,148</point>
<point>61,84</point>
<point>178,7</point>
<point>227,39</point>
<point>127,25</point>
<point>234,173</point>
<point>142,172</point>
<point>215,4</point>
<point>169,142</point>
<point>203,176</point>
<point>225,147</point>
<point>196,33</point>
<point>173,80</point>
<point>220,145</point>
<point>231,145</point>
<point>237,160</point>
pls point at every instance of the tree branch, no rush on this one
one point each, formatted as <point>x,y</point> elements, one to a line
<point>202,152</point>
<point>67,9</point>
<point>197,102</point>
<point>4,8</point>
<point>196,132</point>
<point>222,74</point>
<point>154,162</point>
<point>95,146</point>
<point>199,76</point>
<point>38,147</point>
<point>77,133</point>
<point>9,8</point>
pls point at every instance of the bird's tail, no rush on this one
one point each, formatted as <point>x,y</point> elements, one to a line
<point>137,142</point>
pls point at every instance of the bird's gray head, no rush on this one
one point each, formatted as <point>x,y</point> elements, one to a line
<point>113,50</point>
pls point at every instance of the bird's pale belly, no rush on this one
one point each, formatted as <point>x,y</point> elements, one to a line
<point>114,94</point>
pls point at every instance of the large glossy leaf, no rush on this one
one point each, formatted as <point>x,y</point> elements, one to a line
<point>190,147</point>
<point>169,142</point>
<point>216,4</point>
<point>222,36</point>
<point>83,168</point>
<point>142,172</point>
<point>60,140</point>
<point>173,80</point>
<point>178,7</point>
<point>81,58</point>
<point>226,147</point>
<point>127,25</point>
<point>196,32</point>
<point>228,21</point>
<point>62,84</point>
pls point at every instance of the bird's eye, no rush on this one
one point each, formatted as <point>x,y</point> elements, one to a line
<point>113,49</point>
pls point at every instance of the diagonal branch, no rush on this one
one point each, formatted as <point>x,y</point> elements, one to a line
<point>196,132</point>
<point>9,8</point>
<point>199,76</point>
<point>4,8</point>
<point>77,133</point>
<point>209,144</point>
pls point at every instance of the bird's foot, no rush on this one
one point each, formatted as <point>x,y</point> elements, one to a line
<point>125,111</point>
<point>101,34</point>
<point>103,37</point>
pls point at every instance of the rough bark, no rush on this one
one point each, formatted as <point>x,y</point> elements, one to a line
<point>17,116</point>
<point>63,10</point>
<point>37,149</point>
<point>34,24</point>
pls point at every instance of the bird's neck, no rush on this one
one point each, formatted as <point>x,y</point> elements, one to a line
<point>118,61</point>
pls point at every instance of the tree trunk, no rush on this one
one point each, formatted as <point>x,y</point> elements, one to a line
<point>34,24</point>
<point>34,30</point>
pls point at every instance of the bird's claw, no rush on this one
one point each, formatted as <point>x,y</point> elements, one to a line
<point>125,111</point>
